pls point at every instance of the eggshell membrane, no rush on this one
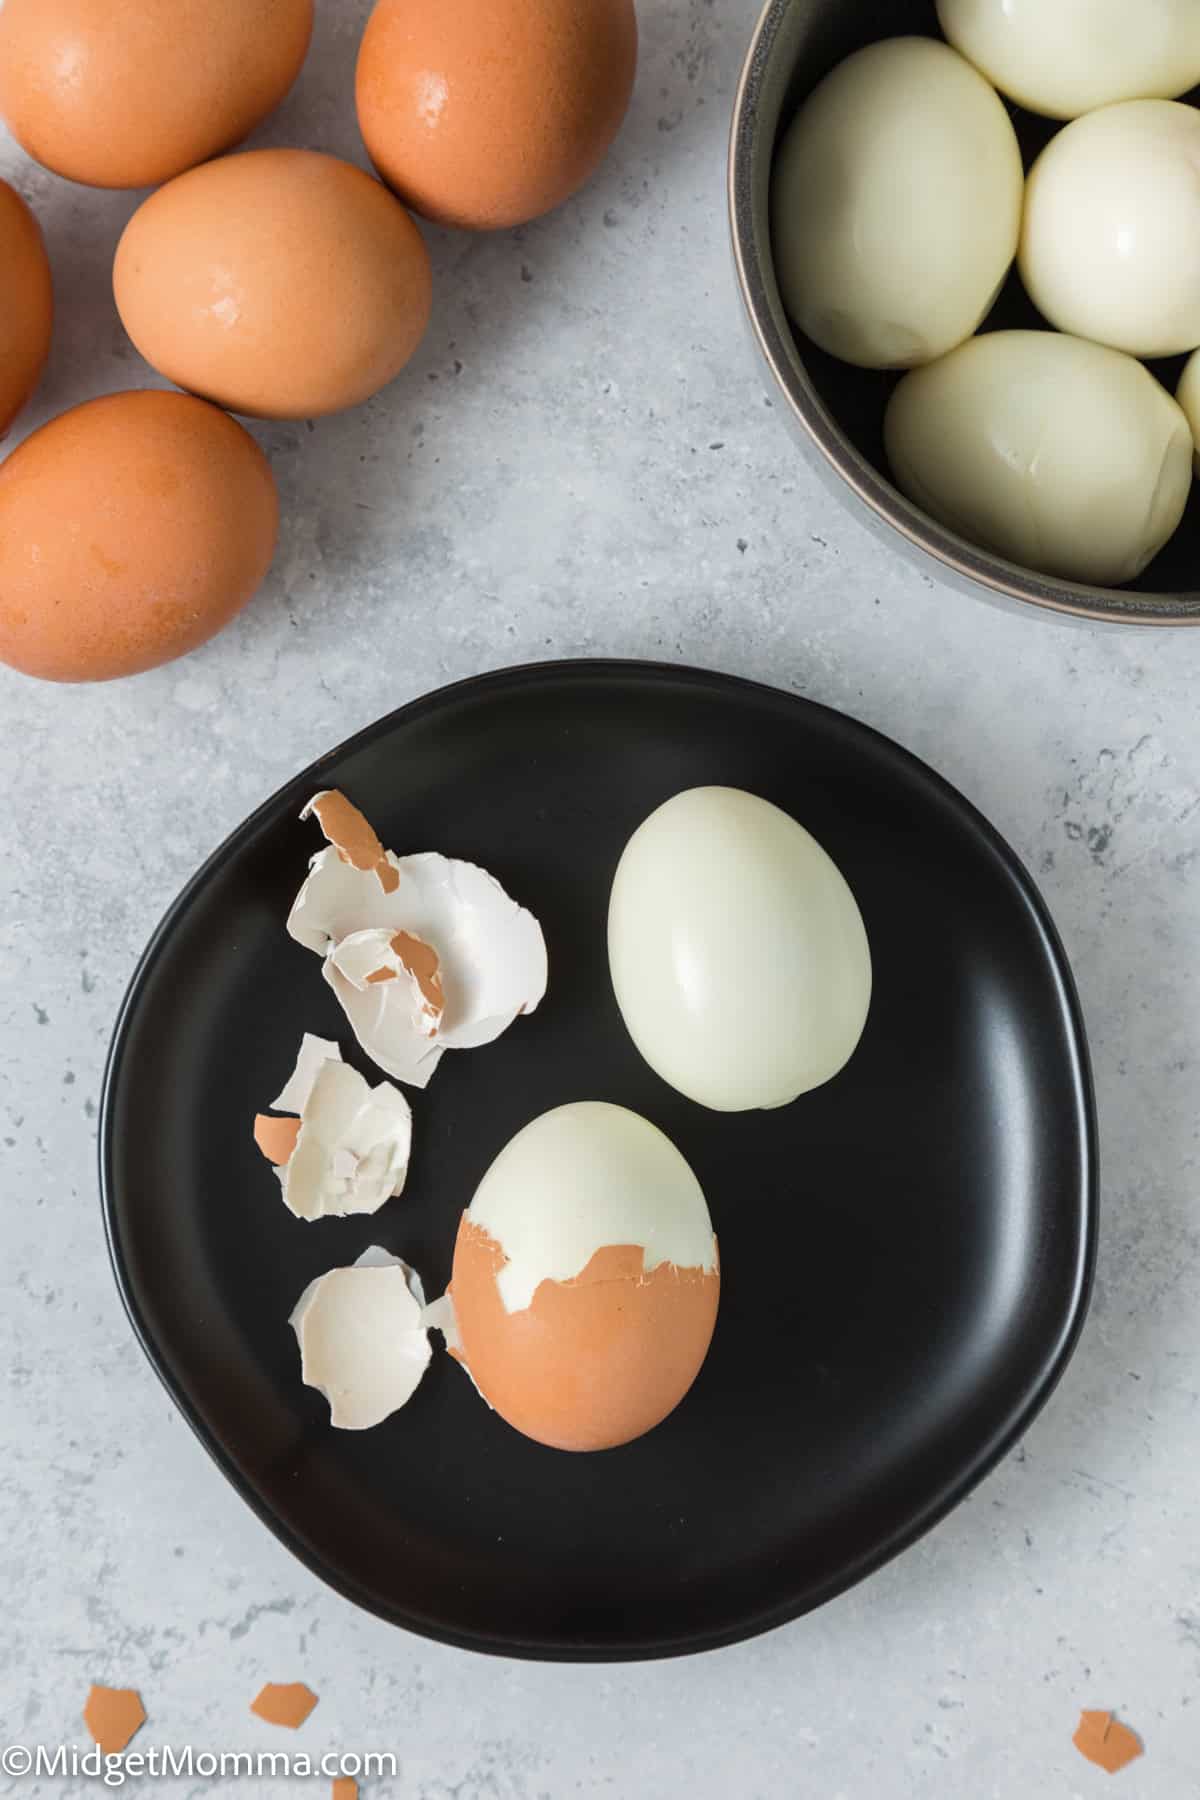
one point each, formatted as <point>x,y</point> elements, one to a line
<point>280,283</point>
<point>1110,242</point>
<point>592,1362</point>
<point>1062,58</point>
<point>26,304</point>
<point>488,113</point>
<point>896,204</point>
<point>131,529</point>
<point>131,100</point>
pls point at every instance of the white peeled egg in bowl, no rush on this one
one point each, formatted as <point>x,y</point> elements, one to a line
<point>1060,454</point>
<point>1062,58</point>
<point>738,955</point>
<point>895,204</point>
<point>1110,244</point>
<point>1188,396</point>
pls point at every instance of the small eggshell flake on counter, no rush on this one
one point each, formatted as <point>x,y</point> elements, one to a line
<point>896,204</point>
<point>1062,58</point>
<point>1110,244</point>
<point>113,1716</point>
<point>425,953</point>
<point>1066,457</point>
<point>348,1151</point>
<point>284,1703</point>
<point>586,1279</point>
<point>363,1342</point>
<point>1106,1742</point>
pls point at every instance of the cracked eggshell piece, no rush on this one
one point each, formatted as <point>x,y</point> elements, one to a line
<point>439,1315</point>
<point>443,931</point>
<point>348,1151</point>
<point>586,1279</point>
<point>363,1343</point>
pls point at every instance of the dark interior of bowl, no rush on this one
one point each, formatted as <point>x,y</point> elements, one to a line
<point>802,40</point>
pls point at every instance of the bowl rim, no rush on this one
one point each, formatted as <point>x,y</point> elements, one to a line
<point>886,509</point>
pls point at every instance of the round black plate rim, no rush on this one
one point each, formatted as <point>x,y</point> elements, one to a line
<point>622,670</point>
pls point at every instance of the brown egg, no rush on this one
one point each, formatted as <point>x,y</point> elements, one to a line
<point>131,529</point>
<point>26,305</point>
<point>592,1362</point>
<point>281,283</point>
<point>128,96</point>
<point>487,113</point>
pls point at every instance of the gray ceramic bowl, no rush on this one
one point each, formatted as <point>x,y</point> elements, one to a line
<point>838,410</point>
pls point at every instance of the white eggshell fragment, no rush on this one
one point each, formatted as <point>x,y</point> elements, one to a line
<point>440,1315</point>
<point>896,204</point>
<point>1110,246</point>
<point>315,1052</point>
<point>738,954</point>
<point>1188,396</point>
<point>1056,453</point>
<point>352,1150</point>
<point>425,953</point>
<point>627,1183</point>
<point>362,1341</point>
<point>1062,58</point>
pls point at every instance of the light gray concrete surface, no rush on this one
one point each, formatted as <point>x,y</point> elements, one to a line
<point>582,460</point>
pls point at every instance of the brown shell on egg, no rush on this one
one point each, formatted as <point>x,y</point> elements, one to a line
<point>594,1361</point>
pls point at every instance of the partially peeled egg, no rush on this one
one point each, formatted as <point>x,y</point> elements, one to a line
<point>586,1279</point>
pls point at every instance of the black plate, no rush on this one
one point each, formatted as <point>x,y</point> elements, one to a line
<point>906,1253</point>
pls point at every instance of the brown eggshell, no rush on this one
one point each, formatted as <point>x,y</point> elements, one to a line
<point>276,1137</point>
<point>127,97</point>
<point>131,529</point>
<point>281,283</point>
<point>113,1716</point>
<point>26,304</point>
<point>487,113</point>
<point>592,1362</point>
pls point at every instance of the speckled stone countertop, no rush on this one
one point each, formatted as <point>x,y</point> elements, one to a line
<point>582,460</point>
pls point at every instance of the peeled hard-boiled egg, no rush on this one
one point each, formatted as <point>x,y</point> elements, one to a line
<point>26,305</point>
<point>487,113</point>
<point>1067,57</point>
<point>1188,396</point>
<point>586,1278</point>
<point>131,529</point>
<point>896,204</point>
<point>738,954</point>
<point>1110,246</point>
<point>280,283</point>
<point>128,96</point>
<point>1062,455</point>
